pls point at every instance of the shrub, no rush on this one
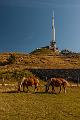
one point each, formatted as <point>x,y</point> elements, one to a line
<point>11,59</point>
<point>66,52</point>
<point>19,74</point>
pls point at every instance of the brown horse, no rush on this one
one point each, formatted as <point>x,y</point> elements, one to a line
<point>57,82</point>
<point>29,81</point>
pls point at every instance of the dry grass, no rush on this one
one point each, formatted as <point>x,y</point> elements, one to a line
<point>42,59</point>
<point>40,106</point>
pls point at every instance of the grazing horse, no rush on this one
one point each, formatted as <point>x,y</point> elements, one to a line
<point>29,81</point>
<point>57,82</point>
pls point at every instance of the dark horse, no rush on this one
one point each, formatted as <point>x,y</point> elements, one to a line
<point>29,81</point>
<point>57,82</point>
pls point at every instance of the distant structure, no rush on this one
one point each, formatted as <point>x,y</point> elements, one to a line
<point>53,41</point>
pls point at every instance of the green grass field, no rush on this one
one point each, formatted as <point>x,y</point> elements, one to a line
<point>40,106</point>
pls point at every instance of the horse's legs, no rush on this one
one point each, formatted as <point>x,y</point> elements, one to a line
<point>27,88</point>
<point>53,90</point>
<point>64,86</point>
<point>65,90</point>
<point>46,88</point>
<point>19,88</point>
<point>60,89</point>
<point>23,88</point>
<point>36,87</point>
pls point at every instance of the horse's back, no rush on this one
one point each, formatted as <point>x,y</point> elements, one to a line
<point>36,81</point>
<point>31,81</point>
<point>58,81</point>
<point>64,82</point>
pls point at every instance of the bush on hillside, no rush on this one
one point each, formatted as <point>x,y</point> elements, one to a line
<point>66,52</point>
<point>11,59</point>
<point>19,74</point>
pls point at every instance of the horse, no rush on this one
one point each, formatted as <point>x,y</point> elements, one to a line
<point>28,81</point>
<point>57,82</point>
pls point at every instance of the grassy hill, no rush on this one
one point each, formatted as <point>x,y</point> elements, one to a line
<point>40,106</point>
<point>40,58</point>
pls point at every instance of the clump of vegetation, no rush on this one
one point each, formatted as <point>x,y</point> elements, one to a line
<point>19,74</point>
<point>43,50</point>
<point>16,75</point>
<point>11,59</point>
<point>3,63</point>
<point>66,52</point>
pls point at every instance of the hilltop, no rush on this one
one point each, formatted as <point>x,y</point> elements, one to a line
<point>42,58</point>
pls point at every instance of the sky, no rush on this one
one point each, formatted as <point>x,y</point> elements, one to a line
<point>26,24</point>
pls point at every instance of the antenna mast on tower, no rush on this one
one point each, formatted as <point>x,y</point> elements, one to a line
<point>53,41</point>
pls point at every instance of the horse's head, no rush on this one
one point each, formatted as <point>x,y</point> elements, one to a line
<point>47,85</point>
<point>22,82</point>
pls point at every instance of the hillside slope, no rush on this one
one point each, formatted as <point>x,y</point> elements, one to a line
<point>38,59</point>
<point>43,58</point>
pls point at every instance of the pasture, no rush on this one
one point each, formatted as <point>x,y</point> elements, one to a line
<point>40,105</point>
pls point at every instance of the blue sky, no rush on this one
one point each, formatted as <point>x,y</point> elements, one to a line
<point>26,24</point>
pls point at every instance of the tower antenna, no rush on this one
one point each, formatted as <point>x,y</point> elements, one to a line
<point>53,13</point>
<point>53,42</point>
